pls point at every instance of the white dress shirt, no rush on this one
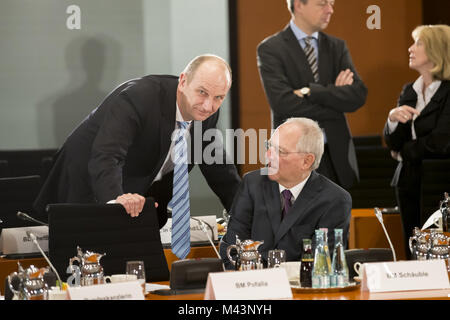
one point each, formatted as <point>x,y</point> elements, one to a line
<point>300,35</point>
<point>168,164</point>
<point>422,101</point>
<point>295,190</point>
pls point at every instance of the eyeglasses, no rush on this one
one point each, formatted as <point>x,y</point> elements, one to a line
<point>268,145</point>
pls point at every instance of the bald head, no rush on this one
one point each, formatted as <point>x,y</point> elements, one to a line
<point>210,62</point>
<point>202,87</point>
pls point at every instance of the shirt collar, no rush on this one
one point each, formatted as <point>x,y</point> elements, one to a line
<point>295,190</point>
<point>432,88</point>
<point>179,116</point>
<point>299,34</point>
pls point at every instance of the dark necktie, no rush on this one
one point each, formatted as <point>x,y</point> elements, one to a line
<point>310,53</point>
<point>287,198</point>
<point>181,237</point>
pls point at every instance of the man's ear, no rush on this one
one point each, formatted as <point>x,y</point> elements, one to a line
<point>308,161</point>
<point>297,5</point>
<point>182,80</point>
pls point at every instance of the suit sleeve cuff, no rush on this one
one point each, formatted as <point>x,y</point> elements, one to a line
<point>392,125</point>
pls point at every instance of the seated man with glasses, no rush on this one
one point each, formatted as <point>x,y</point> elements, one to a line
<point>286,201</point>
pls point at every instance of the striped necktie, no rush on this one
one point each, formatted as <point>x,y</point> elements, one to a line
<point>181,236</point>
<point>310,53</point>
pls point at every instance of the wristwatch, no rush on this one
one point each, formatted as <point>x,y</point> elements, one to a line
<point>305,91</point>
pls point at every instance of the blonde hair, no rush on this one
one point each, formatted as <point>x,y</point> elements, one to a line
<point>311,139</point>
<point>436,39</point>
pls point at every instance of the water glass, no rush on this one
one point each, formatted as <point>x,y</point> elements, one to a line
<point>137,268</point>
<point>276,258</point>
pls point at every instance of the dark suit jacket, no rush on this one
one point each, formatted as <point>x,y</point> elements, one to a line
<point>256,215</point>
<point>283,68</point>
<point>121,146</point>
<point>432,128</point>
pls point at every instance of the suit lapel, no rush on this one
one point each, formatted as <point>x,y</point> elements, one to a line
<point>297,54</point>
<point>436,100</point>
<point>325,71</point>
<point>168,116</point>
<point>271,194</point>
<point>300,207</point>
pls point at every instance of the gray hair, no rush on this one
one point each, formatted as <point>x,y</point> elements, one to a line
<point>311,140</point>
<point>193,65</point>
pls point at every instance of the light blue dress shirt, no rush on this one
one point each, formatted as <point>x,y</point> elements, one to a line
<point>300,35</point>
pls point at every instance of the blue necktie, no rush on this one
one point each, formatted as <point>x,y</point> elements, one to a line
<point>181,236</point>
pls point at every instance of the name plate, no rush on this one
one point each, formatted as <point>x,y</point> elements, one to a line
<point>405,276</point>
<point>196,231</point>
<point>248,285</point>
<point>130,290</point>
<point>16,240</point>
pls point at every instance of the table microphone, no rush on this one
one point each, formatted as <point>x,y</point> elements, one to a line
<point>26,217</point>
<point>34,239</point>
<point>203,225</point>
<point>379,216</point>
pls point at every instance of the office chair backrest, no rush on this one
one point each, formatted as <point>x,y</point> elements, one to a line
<point>17,194</point>
<point>3,168</point>
<point>435,182</point>
<point>25,162</point>
<point>366,255</point>
<point>376,168</point>
<point>107,228</point>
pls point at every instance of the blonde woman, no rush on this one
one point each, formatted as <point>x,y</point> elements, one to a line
<point>419,127</point>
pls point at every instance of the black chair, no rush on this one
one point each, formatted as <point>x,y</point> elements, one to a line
<point>25,162</point>
<point>3,168</point>
<point>17,194</point>
<point>435,182</point>
<point>376,168</point>
<point>107,228</point>
<point>366,255</point>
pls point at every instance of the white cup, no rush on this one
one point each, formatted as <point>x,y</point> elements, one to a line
<point>359,268</point>
<point>292,270</point>
<point>55,293</point>
<point>121,278</point>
